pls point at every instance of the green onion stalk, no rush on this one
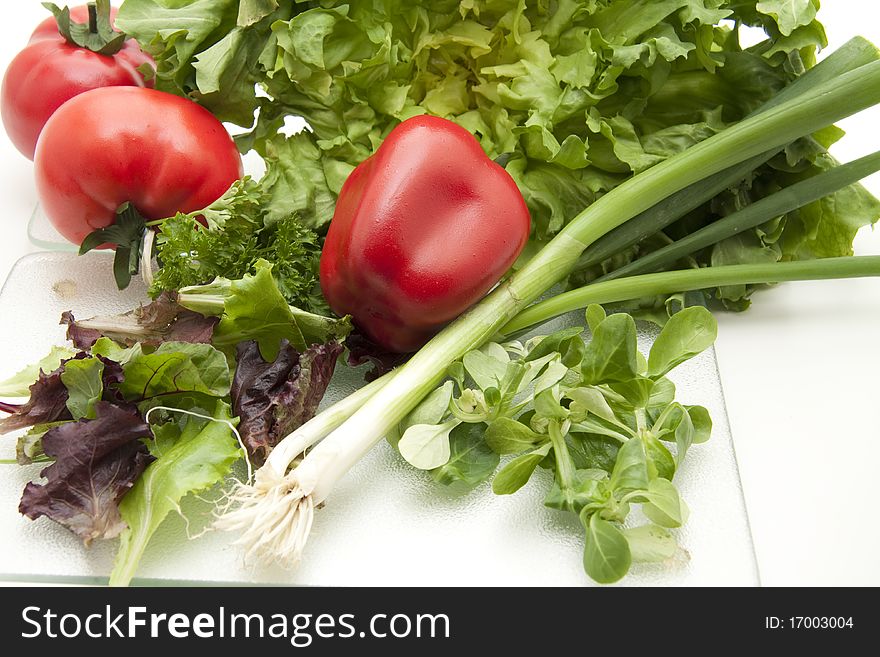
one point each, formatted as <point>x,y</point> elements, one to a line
<point>669,282</point>
<point>276,512</point>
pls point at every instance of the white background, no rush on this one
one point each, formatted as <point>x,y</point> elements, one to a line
<point>800,370</point>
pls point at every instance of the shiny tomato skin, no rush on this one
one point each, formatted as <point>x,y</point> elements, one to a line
<point>163,153</point>
<point>49,71</point>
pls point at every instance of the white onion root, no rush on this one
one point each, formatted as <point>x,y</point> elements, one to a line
<point>274,513</point>
<point>274,518</point>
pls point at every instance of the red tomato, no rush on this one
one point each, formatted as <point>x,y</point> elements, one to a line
<point>50,71</point>
<point>163,153</point>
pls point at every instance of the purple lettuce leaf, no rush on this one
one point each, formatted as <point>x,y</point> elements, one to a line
<point>96,463</point>
<point>272,399</point>
<point>111,378</point>
<point>47,403</point>
<point>49,395</point>
<point>363,350</point>
<point>163,320</point>
<point>82,338</point>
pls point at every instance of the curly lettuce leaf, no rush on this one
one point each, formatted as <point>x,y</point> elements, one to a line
<point>250,11</point>
<point>789,14</point>
<point>301,181</point>
<point>175,31</point>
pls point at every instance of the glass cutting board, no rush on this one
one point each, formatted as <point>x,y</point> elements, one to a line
<point>42,233</point>
<point>386,523</point>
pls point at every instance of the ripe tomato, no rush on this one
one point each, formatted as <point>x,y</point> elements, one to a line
<point>51,70</point>
<point>163,153</point>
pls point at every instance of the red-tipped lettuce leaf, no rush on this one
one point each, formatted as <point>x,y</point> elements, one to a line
<point>273,398</point>
<point>362,350</point>
<point>163,320</point>
<point>96,463</point>
<point>47,403</point>
<point>50,396</point>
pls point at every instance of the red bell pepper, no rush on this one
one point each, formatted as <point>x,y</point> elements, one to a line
<point>423,229</point>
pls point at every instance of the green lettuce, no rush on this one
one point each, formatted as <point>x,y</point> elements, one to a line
<point>574,97</point>
<point>192,454</point>
<point>84,380</point>
<point>175,367</point>
<point>18,385</point>
<point>253,308</point>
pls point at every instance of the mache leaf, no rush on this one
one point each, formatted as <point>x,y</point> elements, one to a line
<point>431,410</point>
<point>471,462</point>
<point>686,334</point>
<point>650,543</point>
<point>426,446</point>
<point>631,468</point>
<point>607,555</point>
<point>504,435</point>
<point>665,506</point>
<point>612,353</point>
<point>517,472</point>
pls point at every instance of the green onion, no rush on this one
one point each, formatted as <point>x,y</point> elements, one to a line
<point>668,210</point>
<point>762,211</point>
<point>668,282</point>
<point>853,54</point>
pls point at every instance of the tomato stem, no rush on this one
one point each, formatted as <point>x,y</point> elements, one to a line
<point>97,34</point>
<point>93,17</point>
